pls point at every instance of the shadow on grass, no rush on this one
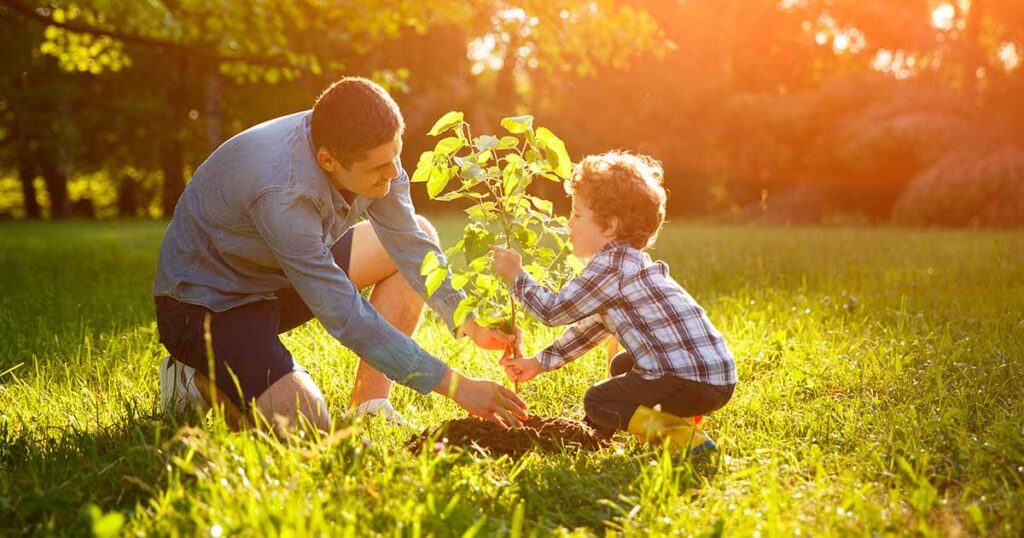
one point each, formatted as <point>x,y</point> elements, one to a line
<point>47,484</point>
<point>600,491</point>
<point>608,490</point>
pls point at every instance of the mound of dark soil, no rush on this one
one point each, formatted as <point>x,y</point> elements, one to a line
<point>543,433</point>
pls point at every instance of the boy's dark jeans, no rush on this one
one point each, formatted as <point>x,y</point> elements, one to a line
<point>611,403</point>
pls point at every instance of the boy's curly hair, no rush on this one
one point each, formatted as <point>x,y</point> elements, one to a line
<point>626,186</point>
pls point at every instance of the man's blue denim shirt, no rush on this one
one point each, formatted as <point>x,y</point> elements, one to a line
<point>261,215</point>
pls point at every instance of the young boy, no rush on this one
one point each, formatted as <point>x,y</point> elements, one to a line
<point>674,357</point>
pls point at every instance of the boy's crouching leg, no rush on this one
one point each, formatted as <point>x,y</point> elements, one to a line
<point>293,401</point>
<point>605,412</point>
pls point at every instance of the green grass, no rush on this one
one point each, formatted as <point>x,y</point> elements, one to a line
<point>880,392</point>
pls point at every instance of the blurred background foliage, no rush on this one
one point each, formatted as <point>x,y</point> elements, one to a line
<point>800,111</point>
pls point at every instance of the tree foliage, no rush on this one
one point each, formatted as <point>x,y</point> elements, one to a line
<point>495,173</point>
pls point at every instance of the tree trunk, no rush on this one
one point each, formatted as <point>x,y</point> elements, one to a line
<point>214,116</point>
<point>127,197</point>
<point>56,186</point>
<point>172,159</point>
<point>27,175</point>
<point>172,163</point>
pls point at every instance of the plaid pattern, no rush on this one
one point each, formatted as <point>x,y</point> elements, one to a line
<point>622,293</point>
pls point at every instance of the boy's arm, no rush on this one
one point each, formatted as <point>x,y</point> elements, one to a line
<point>573,343</point>
<point>591,292</point>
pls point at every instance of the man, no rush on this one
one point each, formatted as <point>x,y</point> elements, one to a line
<point>264,239</point>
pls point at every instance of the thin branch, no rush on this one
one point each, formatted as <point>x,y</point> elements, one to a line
<point>43,16</point>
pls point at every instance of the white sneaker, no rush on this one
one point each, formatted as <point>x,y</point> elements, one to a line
<point>178,391</point>
<point>383,407</point>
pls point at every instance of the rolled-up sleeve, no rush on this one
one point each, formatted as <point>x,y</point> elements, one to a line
<point>291,224</point>
<point>574,342</point>
<point>591,292</point>
<point>394,220</point>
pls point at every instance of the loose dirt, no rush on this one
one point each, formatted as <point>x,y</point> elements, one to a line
<point>548,434</point>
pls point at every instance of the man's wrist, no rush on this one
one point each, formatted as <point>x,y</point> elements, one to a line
<point>448,384</point>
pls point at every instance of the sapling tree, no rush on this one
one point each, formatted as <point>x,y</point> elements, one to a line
<point>493,174</point>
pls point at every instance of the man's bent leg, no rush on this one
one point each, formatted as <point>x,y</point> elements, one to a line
<point>392,296</point>
<point>291,400</point>
<point>286,404</point>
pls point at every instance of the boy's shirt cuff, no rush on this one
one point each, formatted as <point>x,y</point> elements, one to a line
<point>549,360</point>
<point>520,283</point>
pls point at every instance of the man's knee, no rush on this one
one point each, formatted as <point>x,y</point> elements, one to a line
<point>292,399</point>
<point>427,228</point>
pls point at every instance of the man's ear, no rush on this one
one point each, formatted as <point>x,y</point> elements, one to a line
<point>326,160</point>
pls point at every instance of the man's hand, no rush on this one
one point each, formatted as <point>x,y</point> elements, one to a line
<point>483,398</point>
<point>521,370</point>
<point>507,264</point>
<point>487,338</point>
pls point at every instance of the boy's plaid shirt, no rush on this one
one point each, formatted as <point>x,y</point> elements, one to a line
<point>622,293</point>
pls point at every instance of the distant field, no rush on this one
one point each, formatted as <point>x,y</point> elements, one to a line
<point>880,392</point>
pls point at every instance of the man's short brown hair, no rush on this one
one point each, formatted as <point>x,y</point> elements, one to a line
<point>624,186</point>
<point>353,116</point>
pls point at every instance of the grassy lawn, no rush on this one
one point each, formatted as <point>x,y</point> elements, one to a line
<point>880,392</point>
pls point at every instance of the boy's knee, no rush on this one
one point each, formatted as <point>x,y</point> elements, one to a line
<point>621,363</point>
<point>592,400</point>
<point>427,228</point>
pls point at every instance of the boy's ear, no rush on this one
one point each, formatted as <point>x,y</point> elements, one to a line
<point>612,229</point>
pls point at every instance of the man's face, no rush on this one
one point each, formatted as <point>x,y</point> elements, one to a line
<point>370,177</point>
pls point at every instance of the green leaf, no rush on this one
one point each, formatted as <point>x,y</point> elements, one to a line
<point>479,263</point>
<point>526,237</point>
<point>487,283</point>
<point>459,281</point>
<point>423,167</point>
<point>449,145</point>
<point>544,255</point>
<point>481,211</point>
<point>554,150</point>
<point>536,271</point>
<point>542,205</point>
<point>477,241</point>
<point>511,174</point>
<point>105,525</point>
<point>473,171</point>
<point>449,196</point>
<point>446,122</point>
<point>517,124</point>
<point>575,263</point>
<point>452,250</point>
<point>510,183</point>
<point>485,142</point>
<point>507,142</point>
<point>430,262</point>
<point>465,307</point>
<point>435,279</point>
<point>439,179</point>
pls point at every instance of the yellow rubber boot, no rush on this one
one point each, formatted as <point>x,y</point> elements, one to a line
<point>651,425</point>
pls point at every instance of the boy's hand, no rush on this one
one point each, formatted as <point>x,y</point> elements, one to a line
<point>507,263</point>
<point>521,370</point>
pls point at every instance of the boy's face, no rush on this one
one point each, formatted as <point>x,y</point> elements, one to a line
<point>586,235</point>
<point>370,177</point>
